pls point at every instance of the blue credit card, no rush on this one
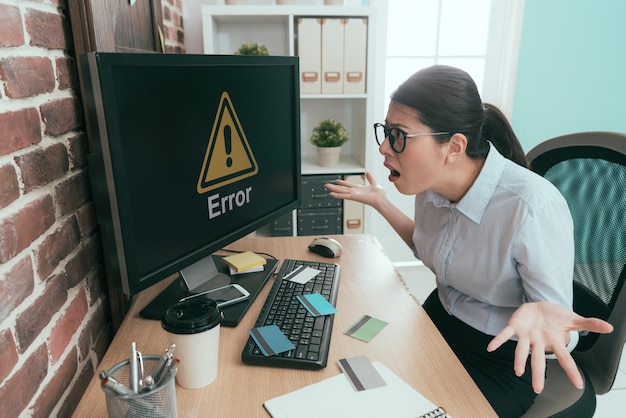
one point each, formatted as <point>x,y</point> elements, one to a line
<point>271,340</point>
<point>317,304</point>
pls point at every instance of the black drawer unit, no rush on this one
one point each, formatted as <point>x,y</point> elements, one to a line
<point>320,221</point>
<point>283,226</point>
<point>318,214</point>
<point>315,195</point>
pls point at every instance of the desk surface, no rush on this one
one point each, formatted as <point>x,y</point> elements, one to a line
<point>410,345</point>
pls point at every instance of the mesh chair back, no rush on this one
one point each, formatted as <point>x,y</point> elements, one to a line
<point>589,169</point>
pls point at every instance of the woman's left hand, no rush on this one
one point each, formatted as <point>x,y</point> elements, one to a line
<point>543,327</point>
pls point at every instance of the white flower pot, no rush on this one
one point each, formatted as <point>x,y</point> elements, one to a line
<point>328,156</point>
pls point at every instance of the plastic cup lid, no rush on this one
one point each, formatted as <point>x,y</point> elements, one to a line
<point>192,317</point>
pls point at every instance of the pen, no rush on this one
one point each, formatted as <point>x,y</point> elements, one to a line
<point>169,368</point>
<point>147,384</point>
<point>134,368</point>
<point>161,373</point>
<point>158,369</point>
<point>114,386</point>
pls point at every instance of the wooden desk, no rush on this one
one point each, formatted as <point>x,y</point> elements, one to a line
<point>410,345</point>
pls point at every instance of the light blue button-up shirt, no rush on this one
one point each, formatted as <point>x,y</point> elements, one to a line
<point>508,241</point>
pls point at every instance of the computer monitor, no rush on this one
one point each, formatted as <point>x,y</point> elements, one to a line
<point>188,153</point>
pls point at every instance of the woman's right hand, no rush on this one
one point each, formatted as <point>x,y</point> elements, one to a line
<point>371,194</point>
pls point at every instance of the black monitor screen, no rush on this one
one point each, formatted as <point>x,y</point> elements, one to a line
<point>188,153</point>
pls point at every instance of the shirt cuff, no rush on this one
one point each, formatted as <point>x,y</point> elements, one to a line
<point>573,341</point>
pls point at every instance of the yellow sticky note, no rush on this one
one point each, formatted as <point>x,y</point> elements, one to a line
<point>244,261</point>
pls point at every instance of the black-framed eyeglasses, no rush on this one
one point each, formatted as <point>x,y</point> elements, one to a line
<point>397,137</point>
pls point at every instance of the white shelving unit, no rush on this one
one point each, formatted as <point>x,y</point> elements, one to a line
<point>226,27</point>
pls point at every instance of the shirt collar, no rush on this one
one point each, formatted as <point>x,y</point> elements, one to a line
<point>475,201</point>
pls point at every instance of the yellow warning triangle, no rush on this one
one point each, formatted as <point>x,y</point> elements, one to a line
<point>228,157</point>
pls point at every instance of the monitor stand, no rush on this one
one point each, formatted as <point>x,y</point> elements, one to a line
<point>253,282</point>
<point>203,275</point>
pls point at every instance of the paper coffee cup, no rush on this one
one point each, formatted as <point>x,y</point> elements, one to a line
<point>194,326</point>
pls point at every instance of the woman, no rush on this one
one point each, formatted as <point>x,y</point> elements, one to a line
<point>498,237</point>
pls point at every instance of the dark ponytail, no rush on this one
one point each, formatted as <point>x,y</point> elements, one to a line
<point>447,100</point>
<point>498,130</point>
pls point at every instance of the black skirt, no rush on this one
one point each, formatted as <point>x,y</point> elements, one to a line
<point>508,394</point>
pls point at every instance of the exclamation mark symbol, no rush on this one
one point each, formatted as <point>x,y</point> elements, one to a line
<point>228,144</point>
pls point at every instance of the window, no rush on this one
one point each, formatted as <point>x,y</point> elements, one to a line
<point>479,36</point>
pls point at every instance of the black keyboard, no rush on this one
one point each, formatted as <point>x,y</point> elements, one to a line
<point>310,335</point>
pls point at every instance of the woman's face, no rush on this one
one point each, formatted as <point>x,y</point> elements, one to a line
<point>420,166</point>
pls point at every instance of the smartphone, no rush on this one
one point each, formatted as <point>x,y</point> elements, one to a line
<point>224,296</point>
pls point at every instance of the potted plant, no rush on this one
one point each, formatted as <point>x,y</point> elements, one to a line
<point>328,136</point>
<point>252,48</point>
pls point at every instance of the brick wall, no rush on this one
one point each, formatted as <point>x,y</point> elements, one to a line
<point>55,322</point>
<point>173,30</point>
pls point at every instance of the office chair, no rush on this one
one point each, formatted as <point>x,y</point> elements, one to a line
<point>589,168</point>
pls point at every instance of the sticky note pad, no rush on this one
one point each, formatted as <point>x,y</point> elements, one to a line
<point>271,340</point>
<point>366,328</point>
<point>232,271</point>
<point>361,373</point>
<point>316,304</point>
<point>244,261</point>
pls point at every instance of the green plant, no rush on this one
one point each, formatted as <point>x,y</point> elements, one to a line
<point>329,133</point>
<point>252,48</point>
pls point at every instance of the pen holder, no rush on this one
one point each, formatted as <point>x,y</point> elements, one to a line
<point>159,402</point>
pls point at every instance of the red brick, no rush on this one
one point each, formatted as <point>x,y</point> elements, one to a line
<point>19,230</point>
<point>43,166</point>
<point>97,329</point>
<point>15,285</point>
<point>102,343</point>
<point>17,392</point>
<point>72,192</point>
<point>86,218</point>
<point>56,246</point>
<point>66,73</point>
<point>9,186</point>
<point>78,151</point>
<point>19,130</point>
<point>61,116</point>
<point>11,31</point>
<point>67,325</point>
<point>54,389</point>
<point>83,262</point>
<point>26,76</point>
<point>97,286</point>
<point>46,29</point>
<point>30,322</point>
<point>76,391</point>
<point>8,353</point>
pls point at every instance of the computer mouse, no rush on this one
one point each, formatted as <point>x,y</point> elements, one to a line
<point>326,247</point>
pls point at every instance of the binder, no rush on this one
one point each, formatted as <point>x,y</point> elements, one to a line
<point>353,211</point>
<point>310,50</point>
<point>355,55</point>
<point>332,55</point>
<point>336,398</point>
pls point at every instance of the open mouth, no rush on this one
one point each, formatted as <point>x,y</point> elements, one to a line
<point>393,173</point>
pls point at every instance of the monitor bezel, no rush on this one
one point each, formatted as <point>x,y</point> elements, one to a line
<point>96,67</point>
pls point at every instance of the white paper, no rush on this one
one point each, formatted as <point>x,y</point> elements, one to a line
<point>337,399</point>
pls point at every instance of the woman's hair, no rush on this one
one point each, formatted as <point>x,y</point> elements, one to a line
<point>447,100</point>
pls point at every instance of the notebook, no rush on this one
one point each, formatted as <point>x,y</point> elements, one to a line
<point>335,397</point>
